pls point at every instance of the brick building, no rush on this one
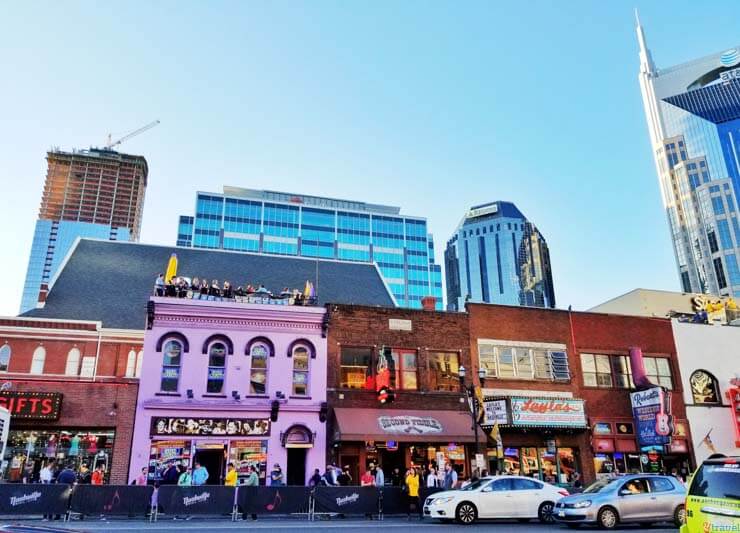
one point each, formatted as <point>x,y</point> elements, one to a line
<point>559,384</point>
<point>71,388</point>
<point>429,419</point>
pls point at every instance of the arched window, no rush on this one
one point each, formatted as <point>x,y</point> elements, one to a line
<point>130,364</point>
<point>259,354</point>
<point>171,361</point>
<point>704,388</point>
<point>301,356</point>
<point>73,362</point>
<point>38,360</point>
<point>5,353</point>
<point>139,362</point>
<point>216,368</point>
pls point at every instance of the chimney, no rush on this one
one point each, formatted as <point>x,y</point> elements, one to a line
<point>43,291</point>
<point>428,303</point>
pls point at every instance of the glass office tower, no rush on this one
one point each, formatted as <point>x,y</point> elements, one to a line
<point>293,224</point>
<point>88,193</point>
<point>693,115</point>
<point>498,256</point>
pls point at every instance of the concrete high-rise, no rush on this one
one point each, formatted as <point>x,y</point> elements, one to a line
<point>497,256</point>
<point>88,193</point>
<point>693,116</point>
<point>270,222</point>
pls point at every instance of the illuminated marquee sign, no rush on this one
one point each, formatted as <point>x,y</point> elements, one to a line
<point>557,412</point>
<point>32,405</point>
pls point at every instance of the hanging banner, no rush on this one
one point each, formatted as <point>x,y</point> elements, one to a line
<point>124,500</point>
<point>653,421</point>
<point>203,499</point>
<point>162,426</point>
<point>34,499</point>
<point>273,500</point>
<point>346,500</point>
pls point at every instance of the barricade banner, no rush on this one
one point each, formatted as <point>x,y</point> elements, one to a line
<point>126,500</point>
<point>33,499</point>
<point>273,500</point>
<point>394,501</point>
<point>203,499</point>
<point>346,500</point>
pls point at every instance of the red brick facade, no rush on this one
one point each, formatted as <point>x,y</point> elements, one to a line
<point>97,395</point>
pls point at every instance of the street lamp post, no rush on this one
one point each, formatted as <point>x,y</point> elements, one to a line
<point>470,393</point>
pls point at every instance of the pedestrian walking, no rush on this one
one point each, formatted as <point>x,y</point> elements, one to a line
<point>450,477</point>
<point>379,475</point>
<point>276,476</point>
<point>200,474</point>
<point>46,476</point>
<point>231,476</point>
<point>412,491</point>
<point>252,480</point>
<point>186,478</point>
<point>432,479</point>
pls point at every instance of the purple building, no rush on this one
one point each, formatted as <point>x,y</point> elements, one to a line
<point>232,382</point>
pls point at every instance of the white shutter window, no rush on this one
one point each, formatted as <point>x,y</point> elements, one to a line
<point>542,368</point>
<point>73,362</point>
<point>38,360</point>
<point>560,369</point>
<point>487,359</point>
<point>131,364</point>
<point>139,362</point>
<point>88,367</point>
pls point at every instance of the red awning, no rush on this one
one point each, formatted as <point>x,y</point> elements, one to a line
<point>404,425</point>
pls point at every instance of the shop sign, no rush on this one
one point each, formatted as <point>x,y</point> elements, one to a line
<point>494,411</point>
<point>205,427</point>
<point>420,425</point>
<point>654,425</point>
<point>32,405</point>
<point>554,412</point>
<point>399,324</point>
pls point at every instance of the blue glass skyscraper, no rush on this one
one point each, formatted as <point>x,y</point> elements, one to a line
<point>693,115</point>
<point>293,224</point>
<point>497,256</point>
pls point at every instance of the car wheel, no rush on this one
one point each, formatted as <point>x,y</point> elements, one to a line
<point>466,513</point>
<point>545,513</point>
<point>607,518</point>
<point>679,517</point>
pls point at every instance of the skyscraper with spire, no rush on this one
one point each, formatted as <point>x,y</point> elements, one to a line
<point>693,116</point>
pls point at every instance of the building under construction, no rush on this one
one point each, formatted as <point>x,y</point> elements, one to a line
<point>97,193</point>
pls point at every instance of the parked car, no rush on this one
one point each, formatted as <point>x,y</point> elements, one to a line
<point>713,501</point>
<point>641,498</point>
<point>496,497</point>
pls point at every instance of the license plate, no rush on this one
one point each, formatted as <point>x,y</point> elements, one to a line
<point>561,513</point>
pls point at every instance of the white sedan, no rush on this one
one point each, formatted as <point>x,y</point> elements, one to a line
<point>496,497</point>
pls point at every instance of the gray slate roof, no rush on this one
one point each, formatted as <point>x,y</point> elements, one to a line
<point>111,281</point>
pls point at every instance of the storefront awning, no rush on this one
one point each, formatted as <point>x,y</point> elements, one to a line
<point>404,425</point>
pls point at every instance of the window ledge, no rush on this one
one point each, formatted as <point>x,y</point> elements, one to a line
<point>214,396</point>
<point>256,396</point>
<point>299,397</point>
<point>167,394</point>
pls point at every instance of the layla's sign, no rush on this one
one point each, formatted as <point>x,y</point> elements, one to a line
<point>209,426</point>
<point>419,425</point>
<point>32,405</point>
<point>557,412</point>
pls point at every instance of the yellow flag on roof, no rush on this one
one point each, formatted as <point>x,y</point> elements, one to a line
<point>171,271</point>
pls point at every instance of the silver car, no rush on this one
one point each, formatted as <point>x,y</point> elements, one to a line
<point>641,498</point>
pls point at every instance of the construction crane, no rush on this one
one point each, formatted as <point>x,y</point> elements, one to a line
<point>110,144</point>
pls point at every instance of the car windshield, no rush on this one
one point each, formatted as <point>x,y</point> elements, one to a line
<point>603,485</point>
<point>717,481</point>
<point>475,485</point>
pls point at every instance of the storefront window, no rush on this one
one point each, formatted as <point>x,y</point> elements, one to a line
<point>596,370</point>
<point>443,371</point>
<point>530,463</point>
<point>171,361</point>
<point>5,353</point>
<point>300,370</point>
<point>166,452</point>
<point>259,354</point>
<point>511,461</point>
<point>355,367</point>
<point>548,460</point>
<point>28,451</point>
<point>566,464</point>
<point>403,369</point>
<point>658,370</point>
<point>216,368</point>
<point>246,453</point>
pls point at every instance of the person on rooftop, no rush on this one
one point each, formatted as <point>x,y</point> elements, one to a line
<point>203,287</point>
<point>262,290</point>
<point>227,292</point>
<point>215,290</point>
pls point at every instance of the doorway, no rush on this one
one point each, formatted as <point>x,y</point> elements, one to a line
<point>297,466</point>
<point>212,459</point>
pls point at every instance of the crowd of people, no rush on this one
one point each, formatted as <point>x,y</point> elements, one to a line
<point>200,289</point>
<point>52,472</point>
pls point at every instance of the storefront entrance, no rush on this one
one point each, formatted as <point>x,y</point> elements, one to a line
<point>211,456</point>
<point>296,466</point>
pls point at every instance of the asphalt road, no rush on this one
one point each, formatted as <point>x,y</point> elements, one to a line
<point>291,525</point>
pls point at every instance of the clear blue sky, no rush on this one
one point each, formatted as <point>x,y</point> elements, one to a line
<point>432,106</point>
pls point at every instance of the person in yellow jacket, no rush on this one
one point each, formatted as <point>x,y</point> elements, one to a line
<point>412,491</point>
<point>230,480</point>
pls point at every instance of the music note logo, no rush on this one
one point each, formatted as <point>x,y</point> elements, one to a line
<point>275,503</point>
<point>113,502</point>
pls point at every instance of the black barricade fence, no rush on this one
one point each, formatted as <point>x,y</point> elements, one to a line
<point>33,499</point>
<point>126,500</point>
<point>203,499</point>
<point>273,500</point>
<point>394,500</point>
<point>346,500</point>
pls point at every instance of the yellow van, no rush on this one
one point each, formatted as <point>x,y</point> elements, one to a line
<point>713,498</point>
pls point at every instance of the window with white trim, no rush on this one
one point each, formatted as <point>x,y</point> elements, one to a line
<point>139,362</point>
<point>259,355</point>
<point>87,370</point>
<point>171,362</point>
<point>504,360</point>
<point>131,364</point>
<point>301,357</point>
<point>216,368</point>
<point>38,360</point>
<point>73,362</point>
<point>5,353</point>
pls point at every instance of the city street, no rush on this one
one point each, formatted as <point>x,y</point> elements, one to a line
<point>289,525</point>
